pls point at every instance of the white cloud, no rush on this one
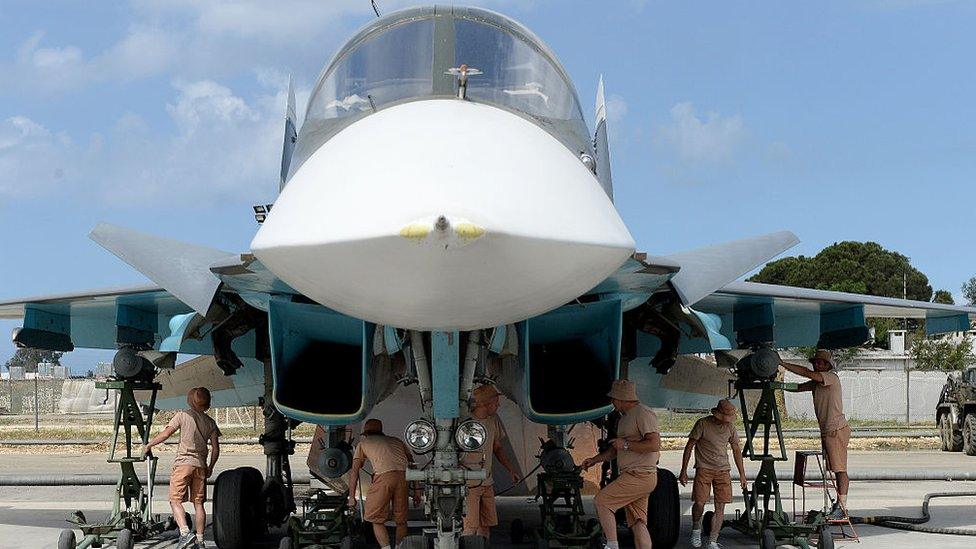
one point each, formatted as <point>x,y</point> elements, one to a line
<point>616,108</point>
<point>225,147</point>
<point>711,139</point>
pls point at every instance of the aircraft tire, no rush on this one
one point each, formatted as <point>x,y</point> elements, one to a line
<point>285,543</point>
<point>414,542</point>
<point>969,435</point>
<point>124,541</point>
<point>707,523</point>
<point>473,542</point>
<point>517,531</point>
<point>67,539</point>
<point>825,540</point>
<point>238,508</point>
<point>663,512</point>
<point>767,540</point>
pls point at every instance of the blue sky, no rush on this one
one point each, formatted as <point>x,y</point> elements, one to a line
<point>837,120</point>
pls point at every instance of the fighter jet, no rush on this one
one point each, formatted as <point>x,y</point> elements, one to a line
<point>445,218</point>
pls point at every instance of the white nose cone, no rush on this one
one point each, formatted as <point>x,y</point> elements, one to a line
<point>443,215</point>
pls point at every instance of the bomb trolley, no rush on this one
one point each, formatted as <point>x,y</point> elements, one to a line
<point>326,520</point>
<point>771,525</point>
<point>132,517</point>
<point>558,491</point>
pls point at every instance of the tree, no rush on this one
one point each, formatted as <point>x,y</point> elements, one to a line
<point>969,291</point>
<point>30,358</point>
<point>854,267</point>
<point>944,297</point>
<point>942,354</point>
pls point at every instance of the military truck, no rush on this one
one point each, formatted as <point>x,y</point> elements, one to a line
<point>956,413</point>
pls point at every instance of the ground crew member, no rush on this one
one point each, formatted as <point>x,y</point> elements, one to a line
<point>835,433</point>
<point>637,449</point>
<point>480,502</point>
<point>711,438</point>
<point>389,457</point>
<point>188,481</point>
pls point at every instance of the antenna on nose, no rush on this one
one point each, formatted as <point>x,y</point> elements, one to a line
<point>375,9</point>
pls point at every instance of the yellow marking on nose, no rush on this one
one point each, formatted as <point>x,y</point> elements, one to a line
<point>468,231</point>
<point>415,231</point>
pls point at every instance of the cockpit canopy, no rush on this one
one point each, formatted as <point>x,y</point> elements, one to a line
<point>405,56</point>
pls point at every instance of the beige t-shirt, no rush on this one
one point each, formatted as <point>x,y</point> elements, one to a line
<point>828,403</point>
<point>486,455</point>
<point>634,425</point>
<point>714,438</point>
<point>196,429</point>
<point>384,453</point>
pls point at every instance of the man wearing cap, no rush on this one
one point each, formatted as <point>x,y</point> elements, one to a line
<point>637,449</point>
<point>480,502</point>
<point>389,457</point>
<point>828,405</point>
<point>710,439</point>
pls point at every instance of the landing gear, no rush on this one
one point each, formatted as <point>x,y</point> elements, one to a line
<point>237,508</point>
<point>132,518</point>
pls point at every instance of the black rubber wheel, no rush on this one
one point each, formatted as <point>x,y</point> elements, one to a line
<point>346,543</point>
<point>768,539</point>
<point>969,435</point>
<point>542,543</point>
<point>124,541</point>
<point>285,543</point>
<point>516,531</point>
<point>825,540</point>
<point>414,542</point>
<point>707,523</point>
<point>67,539</point>
<point>238,509</point>
<point>663,511</point>
<point>473,542</point>
<point>951,439</point>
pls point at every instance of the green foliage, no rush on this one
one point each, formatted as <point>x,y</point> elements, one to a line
<point>969,291</point>
<point>944,297</point>
<point>942,354</point>
<point>854,267</point>
<point>30,358</point>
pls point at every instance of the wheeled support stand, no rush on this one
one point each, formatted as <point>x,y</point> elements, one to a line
<point>771,525</point>
<point>558,491</point>
<point>132,518</point>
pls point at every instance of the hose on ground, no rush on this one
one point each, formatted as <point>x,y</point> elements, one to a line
<point>914,524</point>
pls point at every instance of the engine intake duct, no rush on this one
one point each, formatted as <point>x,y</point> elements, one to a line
<point>570,357</point>
<point>321,362</point>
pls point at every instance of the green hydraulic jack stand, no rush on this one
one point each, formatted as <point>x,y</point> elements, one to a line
<point>764,517</point>
<point>132,518</point>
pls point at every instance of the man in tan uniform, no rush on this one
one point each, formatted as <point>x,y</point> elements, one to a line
<point>710,439</point>
<point>828,405</point>
<point>188,481</point>
<point>389,457</point>
<point>480,501</point>
<point>637,449</point>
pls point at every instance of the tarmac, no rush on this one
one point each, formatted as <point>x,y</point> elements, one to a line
<point>33,517</point>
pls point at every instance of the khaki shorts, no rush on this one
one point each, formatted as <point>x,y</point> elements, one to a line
<point>389,487</point>
<point>835,449</point>
<point>188,483</point>
<point>708,479</point>
<point>630,490</point>
<point>481,512</point>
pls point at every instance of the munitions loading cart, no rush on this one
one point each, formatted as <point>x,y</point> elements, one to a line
<point>558,491</point>
<point>771,526</point>
<point>326,520</point>
<point>136,521</point>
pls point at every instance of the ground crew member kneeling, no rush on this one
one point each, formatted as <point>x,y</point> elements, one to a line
<point>389,457</point>
<point>188,481</point>
<point>835,433</point>
<point>711,438</point>
<point>637,449</point>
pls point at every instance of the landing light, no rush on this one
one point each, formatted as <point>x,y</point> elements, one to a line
<point>421,436</point>
<point>470,435</point>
